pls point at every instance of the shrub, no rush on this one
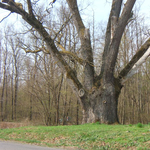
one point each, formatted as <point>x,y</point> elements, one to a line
<point>96,123</point>
<point>140,125</point>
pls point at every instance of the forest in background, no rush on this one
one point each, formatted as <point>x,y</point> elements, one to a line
<point>33,87</point>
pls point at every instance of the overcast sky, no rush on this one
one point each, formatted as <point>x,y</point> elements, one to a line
<point>100,9</point>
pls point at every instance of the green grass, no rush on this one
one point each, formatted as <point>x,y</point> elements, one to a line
<point>89,136</point>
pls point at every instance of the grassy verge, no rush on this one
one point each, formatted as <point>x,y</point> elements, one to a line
<point>88,136</point>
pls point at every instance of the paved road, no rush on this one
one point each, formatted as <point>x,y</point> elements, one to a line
<point>5,145</point>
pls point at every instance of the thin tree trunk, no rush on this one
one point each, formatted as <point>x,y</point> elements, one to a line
<point>12,98</point>
<point>77,115</point>
<point>15,96</point>
<point>3,85</point>
<point>6,102</point>
<point>65,103</point>
<point>2,99</point>
<point>58,99</point>
<point>31,109</point>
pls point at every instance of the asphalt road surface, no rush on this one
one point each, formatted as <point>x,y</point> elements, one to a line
<point>6,145</point>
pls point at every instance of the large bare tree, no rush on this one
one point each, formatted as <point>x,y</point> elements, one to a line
<point>98,94</point>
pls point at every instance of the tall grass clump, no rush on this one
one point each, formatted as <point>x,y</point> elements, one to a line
<point>140,125</point>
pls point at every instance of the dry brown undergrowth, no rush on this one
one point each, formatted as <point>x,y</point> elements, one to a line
<point>6,125</point>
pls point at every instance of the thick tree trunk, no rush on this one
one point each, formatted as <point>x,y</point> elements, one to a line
<point>101,104</point>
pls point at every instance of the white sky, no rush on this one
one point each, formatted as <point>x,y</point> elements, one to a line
<point>100,8</point>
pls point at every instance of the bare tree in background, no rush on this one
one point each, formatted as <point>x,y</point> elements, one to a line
<point>4,61</point>
<point>3,84</point>
<point>98,94</point>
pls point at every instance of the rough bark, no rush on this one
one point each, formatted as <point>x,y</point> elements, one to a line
<point>113,48</point>
<point>115,13</point>
<point>86,49</point>
<point>101,104</point>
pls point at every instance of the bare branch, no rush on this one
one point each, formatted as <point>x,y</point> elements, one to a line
<point>111,26</point>
<point>112,54</point>
<point>78,21</point>
<point>137,65</point>
<point>135,58</point>
<point>48,40</point>
<point>9,8</point>
<point>5,17</point>
<point>62,26</point>
<point>30,8</point>
<point>70,54</point>
<point>51,3</point>
<point>86,49</point>
<point>35,51</point>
